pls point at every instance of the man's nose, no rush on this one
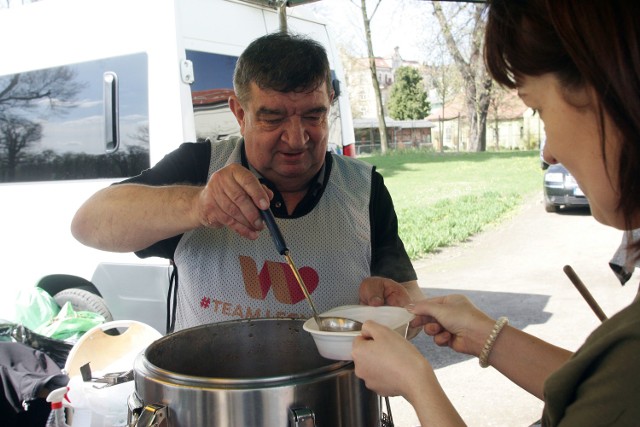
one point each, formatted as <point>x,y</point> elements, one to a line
<point>294,133</point>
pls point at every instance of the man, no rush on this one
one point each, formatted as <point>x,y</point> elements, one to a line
<point>199,206</point>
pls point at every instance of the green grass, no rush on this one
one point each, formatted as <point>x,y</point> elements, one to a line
<point>443,199</point>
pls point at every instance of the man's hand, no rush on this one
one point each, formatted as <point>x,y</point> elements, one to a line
<point>377,291</point>
<point>232,198</point>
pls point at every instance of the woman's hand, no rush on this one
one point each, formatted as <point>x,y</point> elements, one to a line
<point>453,321</point>
<point>388,363</point>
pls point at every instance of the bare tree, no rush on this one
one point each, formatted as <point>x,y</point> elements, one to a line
<point>477,83</point>
<point>499,100</point>
<point>26,98</point>
<point>29,91</point>
<point>445,79</point>
<point>382,126</point>
<point>16,134</point>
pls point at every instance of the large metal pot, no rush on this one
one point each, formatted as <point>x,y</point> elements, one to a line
<point>257,372</point>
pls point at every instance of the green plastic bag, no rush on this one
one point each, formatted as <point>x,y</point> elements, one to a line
<point>35,307</point>
<point>69,325</point>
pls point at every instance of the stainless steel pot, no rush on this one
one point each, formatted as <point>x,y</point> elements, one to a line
<point>258,372</point>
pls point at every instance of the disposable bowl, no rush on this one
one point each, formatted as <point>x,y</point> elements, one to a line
<point>337,345</point>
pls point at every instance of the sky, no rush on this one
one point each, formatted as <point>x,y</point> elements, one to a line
<point>407,24</point>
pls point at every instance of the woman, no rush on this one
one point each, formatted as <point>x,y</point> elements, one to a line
<point>578,64</point>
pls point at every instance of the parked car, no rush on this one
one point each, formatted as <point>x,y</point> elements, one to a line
<point>543,165</point>
<point>561,190</point>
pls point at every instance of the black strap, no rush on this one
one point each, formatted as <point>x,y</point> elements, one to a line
<point>173,289</point>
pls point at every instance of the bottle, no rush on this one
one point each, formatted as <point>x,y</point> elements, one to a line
<point>56,417</point>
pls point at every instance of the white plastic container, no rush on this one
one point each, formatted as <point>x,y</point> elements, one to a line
<point>337,345</point>
<point>94,404</point>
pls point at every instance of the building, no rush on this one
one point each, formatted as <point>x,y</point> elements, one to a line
<point>361,93</point>
<point>400,134</point>
<point>511,125</point>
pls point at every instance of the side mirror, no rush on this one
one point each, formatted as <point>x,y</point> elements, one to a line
<point>336,88</point>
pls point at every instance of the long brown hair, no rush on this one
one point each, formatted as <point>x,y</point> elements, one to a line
<point>592,43</point>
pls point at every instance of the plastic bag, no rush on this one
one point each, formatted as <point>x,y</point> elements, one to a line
<point>69,325</point>
<point>35,307</point>
<point>55,349</point>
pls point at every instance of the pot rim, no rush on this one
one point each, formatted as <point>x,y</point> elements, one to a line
<point>143,367</point>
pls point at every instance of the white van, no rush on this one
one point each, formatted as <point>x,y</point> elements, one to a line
<point>94,91</point>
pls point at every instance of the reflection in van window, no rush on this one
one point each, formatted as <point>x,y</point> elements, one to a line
<point>52,122</point>
<point>209,94</point>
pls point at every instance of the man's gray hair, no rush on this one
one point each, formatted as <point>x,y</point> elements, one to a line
<point>282,62</point>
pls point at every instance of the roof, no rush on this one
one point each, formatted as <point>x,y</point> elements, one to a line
<point>211,97</point>
<point>510,107</point>
<point>367,123</point>
<point>381,63</point>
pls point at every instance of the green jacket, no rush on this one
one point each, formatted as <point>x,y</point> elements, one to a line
<point>600,384</point>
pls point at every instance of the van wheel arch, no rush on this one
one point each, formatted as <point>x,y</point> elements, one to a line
<point>83,300</point>
<point>80,292</point>
<point>54,283</point>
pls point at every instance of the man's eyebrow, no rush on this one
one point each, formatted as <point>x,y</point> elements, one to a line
<point>316,110</point>
<point>277,112</point>
<point>269,111</point>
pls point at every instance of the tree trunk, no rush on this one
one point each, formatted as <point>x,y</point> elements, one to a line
<point>382,126</point>
<point>476,81</point>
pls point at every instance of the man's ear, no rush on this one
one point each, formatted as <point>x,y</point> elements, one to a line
<point>238,111</point>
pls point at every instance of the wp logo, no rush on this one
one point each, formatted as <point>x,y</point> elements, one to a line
<point>277,276</point>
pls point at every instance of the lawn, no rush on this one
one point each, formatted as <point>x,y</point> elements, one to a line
<point>442,199</point>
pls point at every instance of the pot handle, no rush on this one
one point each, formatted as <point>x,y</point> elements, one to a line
<point>153,415</point>
<point>301,417</point>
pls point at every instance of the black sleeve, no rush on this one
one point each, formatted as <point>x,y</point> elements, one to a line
<point>388,256</point>
<point>188,164</point>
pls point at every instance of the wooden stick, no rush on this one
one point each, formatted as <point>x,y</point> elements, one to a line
<point>584,292</point>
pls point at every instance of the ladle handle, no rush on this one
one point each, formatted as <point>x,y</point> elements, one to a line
<point>276,235</point>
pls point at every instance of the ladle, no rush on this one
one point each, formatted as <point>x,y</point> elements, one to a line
<point>325,323</point>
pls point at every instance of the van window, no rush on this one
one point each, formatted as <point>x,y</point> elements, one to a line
<point>209,94</point>
<point>55,122</point>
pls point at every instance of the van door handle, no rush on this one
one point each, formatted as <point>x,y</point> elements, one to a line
<point>111,111</point>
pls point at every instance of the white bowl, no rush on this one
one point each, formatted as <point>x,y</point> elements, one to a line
<point>337,345</point>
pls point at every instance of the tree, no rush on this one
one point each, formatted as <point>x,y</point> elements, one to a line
<point>16,134</point>
<point>382,126</point>
<point>445,79</point>
<point>477,82</point>
<point>26,98</point>
<point>408,99</point>
<point>498,100</point>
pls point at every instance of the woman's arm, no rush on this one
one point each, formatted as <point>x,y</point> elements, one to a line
<point>525,359</point>
<point>392,366</point>
<point>455,322</point>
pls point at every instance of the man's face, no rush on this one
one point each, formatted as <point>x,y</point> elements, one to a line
<point>286,134</point>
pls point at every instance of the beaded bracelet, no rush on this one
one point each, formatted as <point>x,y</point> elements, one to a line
<point>483,359</point>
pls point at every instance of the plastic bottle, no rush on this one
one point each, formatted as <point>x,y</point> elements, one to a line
<point>56,417</point>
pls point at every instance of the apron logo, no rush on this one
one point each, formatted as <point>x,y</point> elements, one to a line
<point>277,276</point>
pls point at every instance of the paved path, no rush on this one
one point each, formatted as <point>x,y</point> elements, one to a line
<point>515,270</point>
